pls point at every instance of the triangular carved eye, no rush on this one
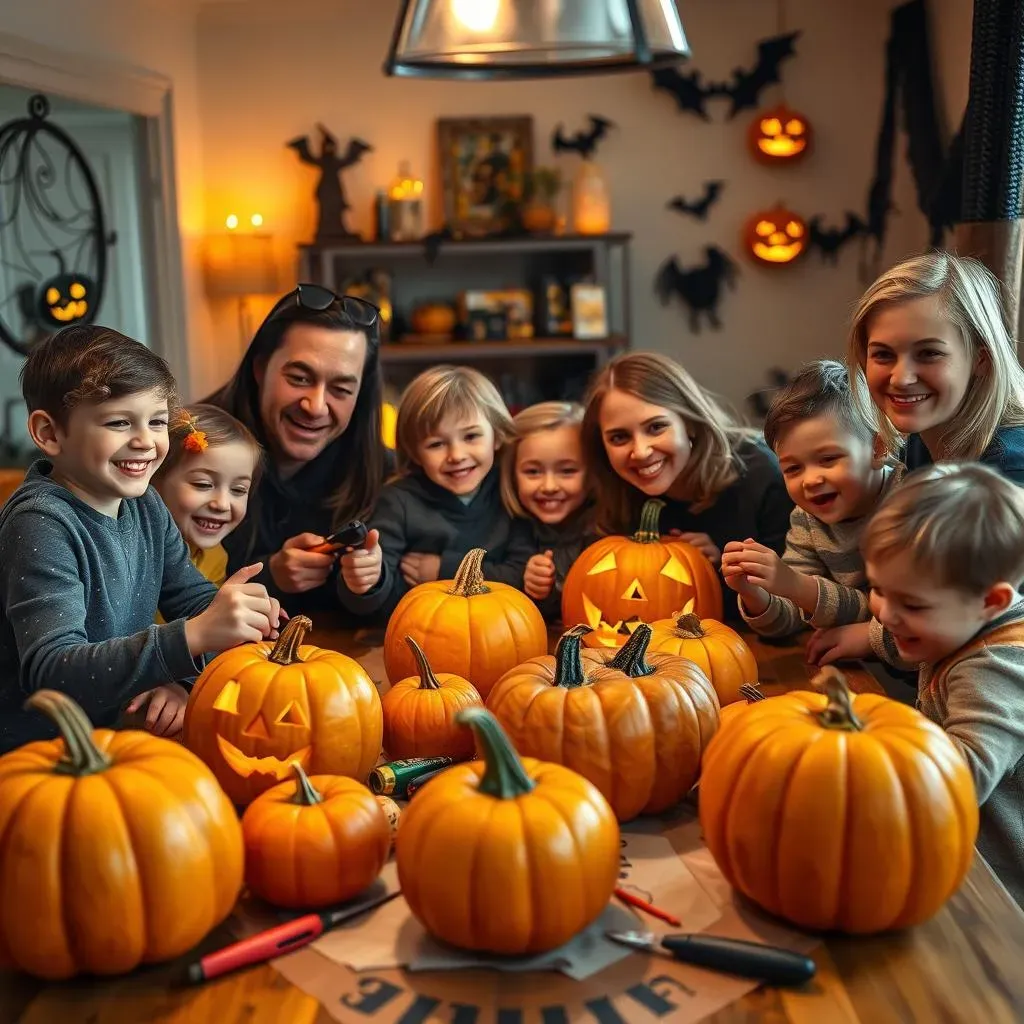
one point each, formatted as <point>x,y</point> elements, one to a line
<point>675,570</point>
<point>292,715</point>
<point>634,592</point>
<point>606,564</point>
<point>227,699</point>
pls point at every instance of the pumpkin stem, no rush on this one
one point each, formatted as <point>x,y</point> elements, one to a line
<point>649,532</point>
<point>632,656</point>
<point>504,776</point>
<point>305,792</point>
<point>838,713</point>
<point>469,578</point>
<point>568,661</point>
<point>428,681</point>
<point>689,625</point>
<point>751,692</point>
<point>286,650</point>
<point>82,756</point>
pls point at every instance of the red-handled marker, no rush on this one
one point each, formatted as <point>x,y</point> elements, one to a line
<point>277,941</point>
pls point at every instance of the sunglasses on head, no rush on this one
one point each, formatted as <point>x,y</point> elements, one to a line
<point>317,298</point>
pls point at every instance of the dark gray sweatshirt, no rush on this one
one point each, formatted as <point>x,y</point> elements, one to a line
<point>78,594</point>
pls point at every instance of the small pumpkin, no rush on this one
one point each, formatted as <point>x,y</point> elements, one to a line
<point>780,135</point>
<point>116,849</point>
<point>258,707</point>
<point>620,581</point>
<point>839,812</point>
<point>719,650</point>
<point>314,841</point>
<point>419,713</point>
<point>506,855</point>
<point>467,626</point>
<point>634,724</point>
<point>775,236</point>
<point>434,318</point>
<point>749,694</point>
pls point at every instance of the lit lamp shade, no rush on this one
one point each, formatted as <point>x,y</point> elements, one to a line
<point>239,264</point>
<point>487,39</point>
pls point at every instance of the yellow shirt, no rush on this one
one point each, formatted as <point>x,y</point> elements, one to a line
<point>211,562</point>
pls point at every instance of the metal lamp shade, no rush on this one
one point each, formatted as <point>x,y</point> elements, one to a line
<point>508,39</point>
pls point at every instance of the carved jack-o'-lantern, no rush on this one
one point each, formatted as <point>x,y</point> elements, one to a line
<point>619,582</point>
<point>775,236</point>
<point>65,299</point>
<point>779,135</point>
<point>258,707</point>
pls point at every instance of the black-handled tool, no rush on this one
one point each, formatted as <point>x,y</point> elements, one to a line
<point>351,535</point>
<point>769,964</point>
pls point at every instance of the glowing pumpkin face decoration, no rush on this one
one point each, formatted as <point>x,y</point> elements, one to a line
<point>619,582</point>
<point>65,299</point>
<point>779,135</point>
<point>258,707</point>
<point>776,236</point>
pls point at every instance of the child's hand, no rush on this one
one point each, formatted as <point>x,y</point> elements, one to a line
<point>241,612</point>
<point>755,598</point>
<point>296,569</point>
<point>360,569</point>
<point>703,543</point>
<point>764,568</point>
<point>539,576</point>
<point>839,643</point>
<point>166,713</point>
<point>417,568</point>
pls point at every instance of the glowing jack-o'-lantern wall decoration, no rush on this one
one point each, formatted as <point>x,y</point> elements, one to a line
<point>619,582</point>
<point>258,707</point>
<point>65,299</point>
<point>780,135</point>
<point>775,236</point>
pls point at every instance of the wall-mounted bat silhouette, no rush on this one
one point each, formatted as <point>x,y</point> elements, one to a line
<point>828,241</point>
<point>698,207</point>
<point>584,143</point>
<point>700,287</point>
<point>690,92</point>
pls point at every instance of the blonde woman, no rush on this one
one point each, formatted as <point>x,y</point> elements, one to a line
<point>651,431</point>
<point>446,498</point>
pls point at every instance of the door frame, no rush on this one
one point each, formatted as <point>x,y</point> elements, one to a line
<point>107,83</point>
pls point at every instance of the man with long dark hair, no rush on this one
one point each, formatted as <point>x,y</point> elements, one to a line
<point>309,388</point>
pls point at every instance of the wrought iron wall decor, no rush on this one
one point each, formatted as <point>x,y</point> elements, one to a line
<point>53,238</point>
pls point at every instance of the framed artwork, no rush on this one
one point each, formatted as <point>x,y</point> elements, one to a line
<point>589,318</point>
<point>484,166</point>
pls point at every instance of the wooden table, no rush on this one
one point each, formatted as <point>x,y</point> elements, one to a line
<point>963,965</point>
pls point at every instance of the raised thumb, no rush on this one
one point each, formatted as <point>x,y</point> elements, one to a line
<point>244,574</point>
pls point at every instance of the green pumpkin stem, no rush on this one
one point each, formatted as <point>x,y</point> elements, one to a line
<point>305,792</point>
<point>689,627</point>
<point>568,660</point>
<point>838,713</point>
<point>286,650</point>
<point>83,757</point>
<point>504,776</point>
<point>428,681</point>
<point>469,577</point>
<point>649,531</point>
<point>632,656</point>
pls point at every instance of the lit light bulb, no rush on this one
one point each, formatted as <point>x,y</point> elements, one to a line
<point>232,221</point>
<point>257,220</point>
<point>476,15</point>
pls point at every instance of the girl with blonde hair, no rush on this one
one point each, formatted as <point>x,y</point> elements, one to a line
<point>651,431</point>
<point>930,339</point>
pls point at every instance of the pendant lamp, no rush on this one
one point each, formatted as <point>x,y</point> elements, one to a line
<point>510,39</point>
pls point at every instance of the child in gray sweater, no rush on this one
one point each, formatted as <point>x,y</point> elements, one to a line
<point>945,557</point>
<point>89,551</point>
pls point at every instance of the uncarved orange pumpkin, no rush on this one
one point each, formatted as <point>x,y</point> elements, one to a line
<point>315,841</point>
<point>506,855</point>
<point>720,651</point>
<point>258,707</point>
<point>634,724</point>
<point>749,694</point>
<point>116,849</point>
<point>467,626</point>
<point>618,582</point>
<point>839,812</point>
<point>419,713</point>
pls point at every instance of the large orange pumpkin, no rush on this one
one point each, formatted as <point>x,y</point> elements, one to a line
<point>506,855</point>
<point>419,713</point>
<point>839,812</point>
<point>467,626</point>
<point>634,724</point>
<point>720,651</point>
<point>620,581</point>
<point>116,849</point>
<point>258,707</point>
<point>315,841</point>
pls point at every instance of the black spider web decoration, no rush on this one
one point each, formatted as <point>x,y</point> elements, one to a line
<point>51,226</point>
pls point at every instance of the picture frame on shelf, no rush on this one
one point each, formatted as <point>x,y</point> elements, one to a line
<point>485,163</point>
<point>589,311</point>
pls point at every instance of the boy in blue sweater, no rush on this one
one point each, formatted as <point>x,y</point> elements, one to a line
<point>89,552</point>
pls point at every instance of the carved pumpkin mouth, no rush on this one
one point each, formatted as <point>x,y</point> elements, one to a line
<point>70,311</point>
<point>781,146</point>
<point>245,765</point>
<point>778,253</point>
